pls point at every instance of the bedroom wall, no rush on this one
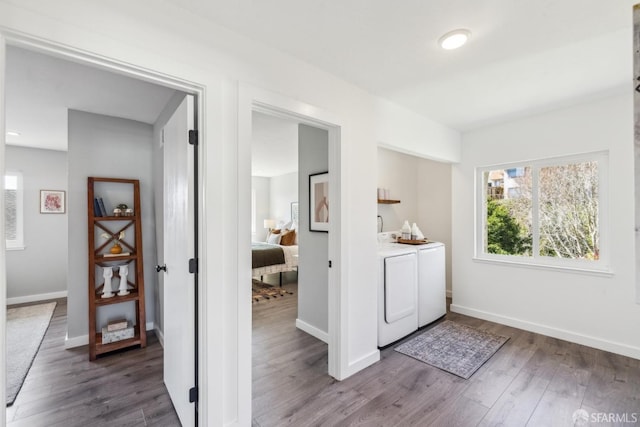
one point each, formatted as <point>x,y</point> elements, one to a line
<point>423,187</point>
<point>591,309</point>
<point>262,187</point>
<point>40,270</point>
<point>110,147</point>
<point>313,274</point>
<point>283,191</point>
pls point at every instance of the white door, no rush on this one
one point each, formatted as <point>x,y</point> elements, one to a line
<point>178,321</point>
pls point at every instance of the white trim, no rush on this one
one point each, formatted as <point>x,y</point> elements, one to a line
<point>510,261</point>
<point>363,362</point>
<point>312,330</point>
<point>255,99</point>
<point>535,260</point>
<point>207,400</point>
<point>81,340</point>
<point>3,257</point>
<point>160,335</point>
<point>37,297</point>
<point>588,340</point>
<point>78,341</point>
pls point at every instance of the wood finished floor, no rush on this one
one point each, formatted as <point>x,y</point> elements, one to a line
<point>64,389</point>
<point>533,380</point>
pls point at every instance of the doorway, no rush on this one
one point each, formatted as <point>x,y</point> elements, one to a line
<point>80,196</point>
<point>253,99</point>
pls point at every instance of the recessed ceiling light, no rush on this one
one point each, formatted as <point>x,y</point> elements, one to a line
<point>13,133</point>
<point>454,39</point>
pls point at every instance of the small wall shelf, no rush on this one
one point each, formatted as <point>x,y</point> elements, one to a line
<point>387,202</point>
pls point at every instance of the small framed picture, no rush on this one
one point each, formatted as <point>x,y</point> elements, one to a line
<point>295,216</point>
<point>52,201</point>
<point>319,202</point>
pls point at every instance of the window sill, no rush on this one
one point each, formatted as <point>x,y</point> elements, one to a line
<point>560,268</point>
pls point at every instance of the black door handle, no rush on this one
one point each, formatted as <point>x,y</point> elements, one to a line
<point>162,267</point>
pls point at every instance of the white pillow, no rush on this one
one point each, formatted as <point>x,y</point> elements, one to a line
<point>294,226</point>
<point>274,239</point>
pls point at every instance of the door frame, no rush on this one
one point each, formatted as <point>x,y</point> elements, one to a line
<point>252,99</point>
<point>12,38</point>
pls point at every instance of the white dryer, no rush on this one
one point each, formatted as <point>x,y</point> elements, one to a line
<point>432,298</point>
<point>397,292</point>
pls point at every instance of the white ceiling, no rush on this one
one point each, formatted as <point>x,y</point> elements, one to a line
<point>524,55</point>
<point>40,89</point>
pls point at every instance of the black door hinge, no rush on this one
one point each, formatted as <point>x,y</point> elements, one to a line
<point>193,265</point>
<point>193,137</point>
<point>329,264</point>
<point>193,394</point>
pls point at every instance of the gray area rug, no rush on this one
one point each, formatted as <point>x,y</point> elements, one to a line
<point>452,347</point>
<point>26,327</point>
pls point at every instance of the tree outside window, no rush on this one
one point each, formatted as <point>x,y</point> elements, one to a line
<point>544,210</point>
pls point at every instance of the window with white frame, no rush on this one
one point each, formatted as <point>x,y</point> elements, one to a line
<point>547,212</point>
<point>13,212</point>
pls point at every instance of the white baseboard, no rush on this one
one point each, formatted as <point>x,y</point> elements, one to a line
<point>160,336</point>
<point>37,297</point>
<point>312,330</point>
<point>75,341</point>
<point>360,364</point>
<point>81,340</point>
<point>590,341</point>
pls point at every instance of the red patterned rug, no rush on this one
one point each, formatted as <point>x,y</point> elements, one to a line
<point>263,291</point>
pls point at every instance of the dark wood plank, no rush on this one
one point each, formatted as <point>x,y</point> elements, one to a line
<point>63,388</point>
<point>532,380</point>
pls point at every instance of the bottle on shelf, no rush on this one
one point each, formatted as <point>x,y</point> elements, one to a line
<point>414,232</point>
<point>406,231</point>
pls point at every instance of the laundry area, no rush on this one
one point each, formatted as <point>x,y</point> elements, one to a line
<point>414,232</point>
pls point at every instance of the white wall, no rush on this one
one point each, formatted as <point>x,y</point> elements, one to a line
<point>407,131</point>
<point>262,187</point>
<point>283,191</point>
<point>398,173</point>
<point>424,189</point>
<point>105,146</point>
<point>154,36</point>
<point>590,309</point>
<point>313,270</point>
<point>41,268</point>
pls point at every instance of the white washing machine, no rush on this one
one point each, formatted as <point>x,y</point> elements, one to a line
<point>432,283</point>
<point>397,290</point>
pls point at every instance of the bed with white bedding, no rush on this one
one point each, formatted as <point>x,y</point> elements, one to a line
<point>290,260</point>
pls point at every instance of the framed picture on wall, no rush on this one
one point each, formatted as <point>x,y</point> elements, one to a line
<point>319,202</point>
<point>295,213</point>
<point>52,201</point>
